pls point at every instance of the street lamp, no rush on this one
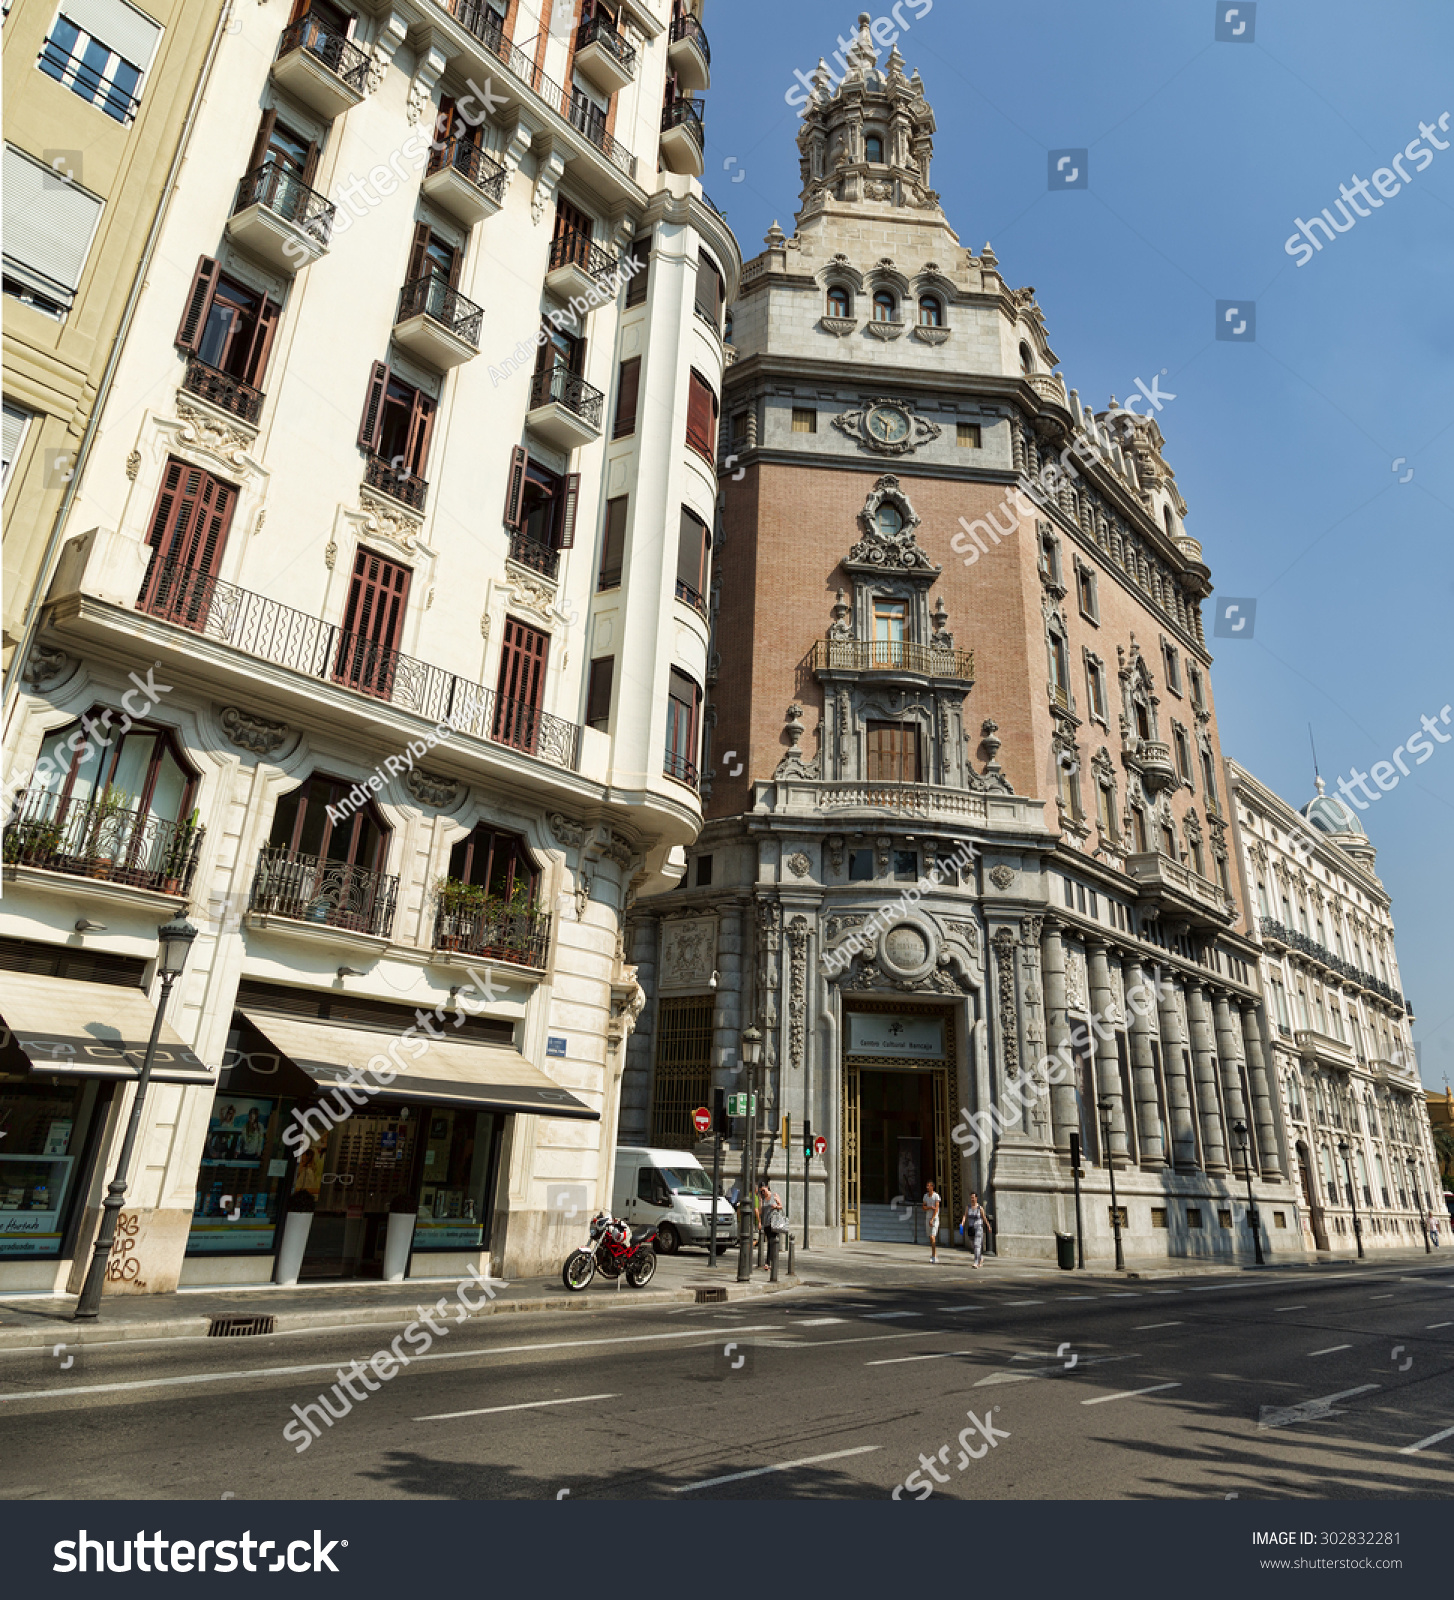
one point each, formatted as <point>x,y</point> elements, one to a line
<point>1240,1131</point>
<point>1352,1197</point>
<point>174,939</point>
<point>1107,1105</point>
<point>751,1055</point>
<point>1417,1190</point>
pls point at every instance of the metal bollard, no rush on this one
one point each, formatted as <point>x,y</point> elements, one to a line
<point>774,1254</point>
<point>792,1242</point>
<point>761,1247</point>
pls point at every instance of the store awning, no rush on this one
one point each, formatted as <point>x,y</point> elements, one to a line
<point>90,1030</point>
<point>449,1072</point>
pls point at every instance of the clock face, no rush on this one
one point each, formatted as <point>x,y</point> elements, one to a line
<point>888,424</point>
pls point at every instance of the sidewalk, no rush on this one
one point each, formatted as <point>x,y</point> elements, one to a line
<point>29,1322</point>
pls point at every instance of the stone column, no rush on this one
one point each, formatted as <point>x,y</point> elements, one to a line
<point>1108,1061</point>
<point>1143,1066</point>
<point>1204,1071</point>
<point>1064,1117</point>
<point>1261,1092</point>
<point>1005,946</point>
<point>1229,1052</point>
<point>1173,1068</point>
<point>1032,995</point>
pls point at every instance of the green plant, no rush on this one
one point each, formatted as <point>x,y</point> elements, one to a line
<point>179,852</point>
<point>34,838</point>
<point>460,899</point>
<point>103,831</point>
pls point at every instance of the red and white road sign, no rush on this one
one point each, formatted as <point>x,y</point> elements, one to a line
<point>702,1120</point>
<point>820,1146</point>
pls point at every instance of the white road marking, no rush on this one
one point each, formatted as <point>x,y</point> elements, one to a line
<point>781,1466</point>
<point>959,1308</point>
<point>1146,1327</point>
<point>1078,1297</point>
<point>1024,1302</point>
<point>1423,1444</point>
<point>1309,1410</point>
<point>1380,1297</point>
<point>1331,1350</point>
<point>818,1322</point>
<point>1289,1308</point>
<point>1163,1291</point>
<point>893,1361</point>
<point>884,1316</point>
<point>1007,1377</point>
<point>1440,1325</point>
<point>524,1405</point>
<point>1127,1394</point>
<point>1122,1294</point>
<point>1206,1288</point>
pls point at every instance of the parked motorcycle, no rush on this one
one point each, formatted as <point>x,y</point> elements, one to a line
<point>612,1251</point>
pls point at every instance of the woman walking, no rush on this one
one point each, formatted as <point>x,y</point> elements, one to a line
<point>976,1224</point>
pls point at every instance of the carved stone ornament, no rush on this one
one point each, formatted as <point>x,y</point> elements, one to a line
<point>133,465</point>
<point>793,764</point>
<point>571,834</point>
<point>887,427</point>
<point>839,327</point>
<point>797,989</point>
<point>248,732</point>
<point>330,554</point>
<point>688,952</point>
<point>532,594</point>
<point>46,665</point>
<point>389,521</point>
<point>206,430</point>
<point>1005,945</point>
<point>432,788</point>
<point>628,1000</point>
<point>1002,876</point>
<point>799,865</point>
<point>882,546</point>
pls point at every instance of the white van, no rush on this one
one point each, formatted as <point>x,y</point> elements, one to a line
<point>671,1191</point>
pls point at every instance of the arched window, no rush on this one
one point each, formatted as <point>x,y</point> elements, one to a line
<point>873,150</point>
<point>1027,360</point>
<point>1166,518</point>
<point>727,333</point>
<point>884,307</point>
<point>931,313</point>
<point>840,303</point>
<point>890,521</point>
<point>324,859</point>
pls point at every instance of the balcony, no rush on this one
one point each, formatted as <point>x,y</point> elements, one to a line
<point>689,55</point>
<point>279,219</point>
<point>689,597</point>
<point>102,838</point>
<point>1171,889</point>
<point>491,932</point>
<point>1153,759</point>
<point>533,556</point>
<point>683,138</point>
<point>899,657</point>
<point>564,409</point>
<point>1322,1050</point>
<point>1292,940</point>
<point>1048,387</point>
<point>678,767</point>
<point>463,181</point>
<point>436,323</point>
<point>320,68</point>
<point>268,631</point>
<point>221,389</point>
<point>396,483</point>
<point>334,894</point>
<point>577,265</point>
<point>604,56</point>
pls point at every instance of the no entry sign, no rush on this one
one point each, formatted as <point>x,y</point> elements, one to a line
<point>702,1120</point>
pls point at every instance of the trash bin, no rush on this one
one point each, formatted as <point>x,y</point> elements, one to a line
<point>1065,1250</point>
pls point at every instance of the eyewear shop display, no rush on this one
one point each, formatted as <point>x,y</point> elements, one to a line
<point>427,1147</point>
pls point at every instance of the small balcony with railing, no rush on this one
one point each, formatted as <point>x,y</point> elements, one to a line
<point>691,597</point>
<point>683,137</point>
<point>1152,758</point>
<point>900,658</point>
<point>689,55</point>
<point>1172,888</point>
<point>331,894</point>
<point>463,181</point>
<point>436,323</point>
<point>529,553</point>
<point>564,409</point>
<point>603,56</point>
<point>577,266</point>
<point>279,219</point>
<point>221,389</point>
<point>321,67</point>
<point>388,477</point>
<point>676,765</point>
<point>469,924</point>
<point>1319,1049</point>
<point>103,837</point>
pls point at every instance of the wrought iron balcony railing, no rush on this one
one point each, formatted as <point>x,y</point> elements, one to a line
<point>280,190</point>
<point>268,631</point>
<point>570,390</point>
<point>688,27</point>
<point>572,247</point>
<point>678,767</point>
<point>687,114</point>
<point>521,938</point>
<point>222,390</point>
<point>389,479</point>
<point>100,838</point>
<point>598,30</point>
<point>333,893</point>
<point>1273,929</point>
<point>434,296</point>
<point>471,162</point>
<point>484,25</point>
<point>689,596</point>
<point>531,553</point>
<point>325,44</point>
<point>893,655</point>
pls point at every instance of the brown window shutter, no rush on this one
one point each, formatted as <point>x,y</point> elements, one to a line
<point>456,261</point>
<point>701,416</point>
<point>421,426</point>
<point>260,144</point>
<point>418,251</point>
<point>568,511</point>
<point>628,389</point>
<point>262,342</point>
<point>218,502</point>
<point>444,120</point>
<point>199,299</point>
<point>373,411</point>
<point>310,164</point>
<point>515,486</point>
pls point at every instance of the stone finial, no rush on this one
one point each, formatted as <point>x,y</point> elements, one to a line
<point>775,238</point>
<point>988,257</point>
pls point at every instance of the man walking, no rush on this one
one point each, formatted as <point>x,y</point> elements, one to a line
<point>931,1217</point>
<point>975,1224</point>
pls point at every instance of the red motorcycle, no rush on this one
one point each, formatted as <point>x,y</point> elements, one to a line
<point>611,1252</point>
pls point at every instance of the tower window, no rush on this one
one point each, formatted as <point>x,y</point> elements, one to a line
<point>967,435</point>
<point>805,419</point>
<point>931,312</point>
<point>884,307</point>
<point>840,303</point>
<point>873,150</point>
<point>1027,360</point>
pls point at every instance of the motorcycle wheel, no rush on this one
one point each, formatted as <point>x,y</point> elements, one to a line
<point>668,1240</point>
<point>579,1269</point>
<point>642,1270</point>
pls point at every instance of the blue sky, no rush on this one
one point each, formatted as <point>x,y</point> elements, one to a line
<point>1201,156</point>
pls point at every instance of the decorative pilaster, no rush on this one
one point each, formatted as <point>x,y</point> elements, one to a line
<point>1143,1069</point>
<point>1108,1061</point>
<point>1064,1116</point>
<point>1204,1071</point>
<point>1229,1049</point>
<point>1261,1092</point>
<point>1032,994</point>
<point>1004,943</point>
<point>1175,1052</point>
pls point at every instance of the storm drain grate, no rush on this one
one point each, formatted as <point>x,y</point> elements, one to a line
<point>710,1297</point>
<point>238,1327</point>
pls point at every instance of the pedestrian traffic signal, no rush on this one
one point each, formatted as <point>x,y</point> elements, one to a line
<point>807,1139</point>
<point>721,1122</point>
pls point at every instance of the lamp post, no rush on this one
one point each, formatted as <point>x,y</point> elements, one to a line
<point>1106,1106</point>
<point>1352,1197</point>
<point>174,939</point>
<point>751,1055</point>
<point>1417,1190</point>
<point>1240,1133</point>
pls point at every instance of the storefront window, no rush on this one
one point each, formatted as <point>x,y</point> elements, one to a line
<point>453,1200</point>
<point>43,1137</point>
<point>240,1177</point>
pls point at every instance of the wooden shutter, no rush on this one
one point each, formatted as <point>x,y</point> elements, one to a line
<point>421,425</point>
<point>444,120</point>
<point>262,342</point>
<point>198,303</point>
<point>418,252</point>
<point>709,288</point>
<point>568,511</point>
<point>372,623</point>
<point>373,411</point>
<point>521,685</point>
<point>260,144</point>
<point>188,532</point>
<point>628,389</point>
<point>700,415</point>
<point>515,487</point>
<point>636,289</point>
<point>310,164</point>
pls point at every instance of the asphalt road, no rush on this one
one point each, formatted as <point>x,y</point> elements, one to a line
<point>1325,1383</point>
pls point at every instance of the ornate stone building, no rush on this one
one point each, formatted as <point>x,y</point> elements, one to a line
<point>1356,1119</point>
<point>964,808</point>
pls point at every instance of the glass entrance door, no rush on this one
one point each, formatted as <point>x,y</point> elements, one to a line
<point>359,1168</point>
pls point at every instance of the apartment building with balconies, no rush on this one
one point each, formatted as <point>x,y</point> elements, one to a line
<point>368,640</point>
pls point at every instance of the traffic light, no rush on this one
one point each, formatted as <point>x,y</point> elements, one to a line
<point>721,1122</point>
<point>807,1139</point>
<point>1074,1151</point>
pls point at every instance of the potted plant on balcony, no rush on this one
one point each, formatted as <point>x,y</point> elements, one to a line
<point>460,907</point>
<point>33,840</point>
<point>105,832</point>
<point>399,1240</point>
<point>179,853</point>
